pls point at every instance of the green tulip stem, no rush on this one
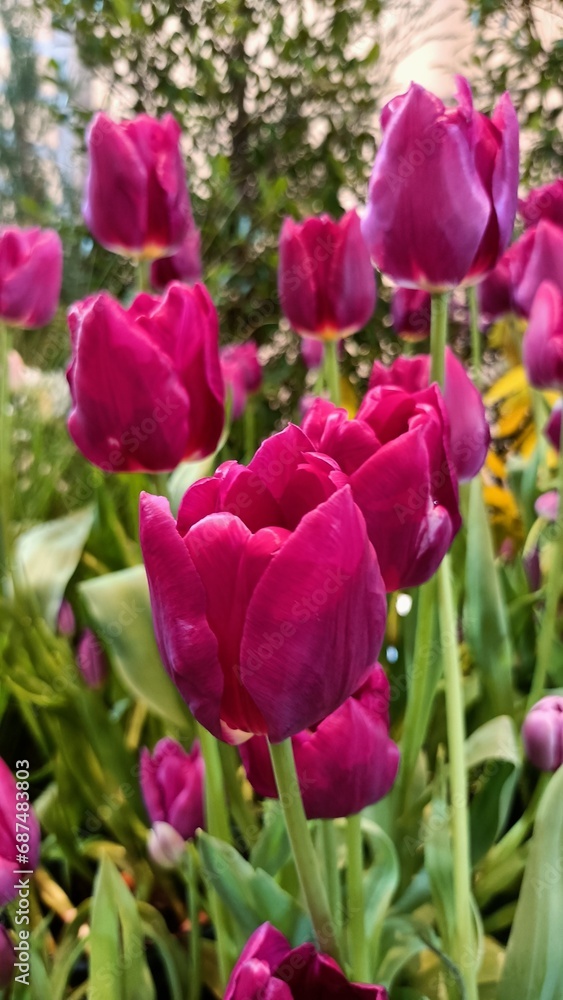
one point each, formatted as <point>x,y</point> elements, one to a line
<point>356,923</point>
<point>329,847</point>
<point>216,813</point>
<point>548,627</point>
<point>5,460</point>
<point>416,721</point>
<point>304,854</point>
<point>438,337</point>
<point>195,936</point>
<point>464,939</point>
<point>475,334</point>
<point>464,943</point>
<point>331,370</point>
<point>143,276</point>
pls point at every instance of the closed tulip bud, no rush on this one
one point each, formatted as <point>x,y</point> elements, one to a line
<point>345,763</point>
<point>545,202</point>
<point>91,660</point>
<point>66,622</point>
<point>469,431</point>
<point>537,256</point>
<point>312,352</point>
<point>31,270</point>
<point>242,373</point>
<point>9,846</point>
<point>552,429</point>
<point>547,505</point>
<point>7,958</point>
<point>270,969</point>
<point>165,845</point>
<point>172,783</point>
<point>410,313</point>
<point>146,382</point>
<point>184,265</point>
<point>136,200</point>
<point>542,733</point>
<point>325,279</point>
<point>283,545</point>
<point>397,459</point>
<point>495,294</point>
<point>542,347</point>
<point>443,191</point>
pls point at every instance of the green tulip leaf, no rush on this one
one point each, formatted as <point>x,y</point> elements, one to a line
<point>495,749</point>
<point>484,615</point>
<point>119,608</point>
<point>380,885</point>
<point>251,894</point>
<point>533,969</point>
<point>118,967</point>
<point>46,557</point>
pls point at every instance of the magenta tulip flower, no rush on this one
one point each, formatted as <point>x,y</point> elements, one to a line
<point>31,271</point>
<point>184,265</point>
<point>542,733</point>
<point>469,431</point>
<point>91,660</point>
<point>242,373</point>
<point>136,200</point>
<point>410,313</point>
<point>443,191</point>
<point>172,783</point>
<point>552,429</point>
<point>345,763</point>
<point>547,505</point>
<point>312,352</point>
<point>495,293</point>
<point>146,382</point>
<point>536,256</point>
<point>11,812</point>
<point>396,456</point>
<point>326,282</point>
<point>268,603</point>
<point>7,958</point>
<point>270,969</point>
<point>542,347</point>
<point>545,202</point>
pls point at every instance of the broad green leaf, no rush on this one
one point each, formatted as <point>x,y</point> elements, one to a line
<point>496,746</point>
<point>399,944</point>
<point>251,894</point>
<point>172,955</point>
<point>438,859</point>
<point>119,608</point>
<point>118,966</point>
<point>272,849</point>
<point>533,968</point>
<point>484,615</point>
<point>46,557</point>
<point>380,884</point>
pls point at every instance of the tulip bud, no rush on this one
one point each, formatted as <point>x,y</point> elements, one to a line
<point>7,958</point>
<point>184,265</point>
<point>545,202</point>
<point>146,382</point>
<point>91,660</point>
<point>542,347</point>
<point>136,200</point>
<point>542,733</point>
<point>423,228</point>
<point>31,269</point>
<point>242,373</point>
<point>325,280</point>
<point>165,845</point>
<point>552,429</point>
<point>537,256</point>
<point>9,847</point>
<point>312,352</point>
<point>410,313</point>
<point>469,431</point>
<point>66,622</point>
<point>172,783</point>
<point>547,505</point>
<point>345,763</point>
